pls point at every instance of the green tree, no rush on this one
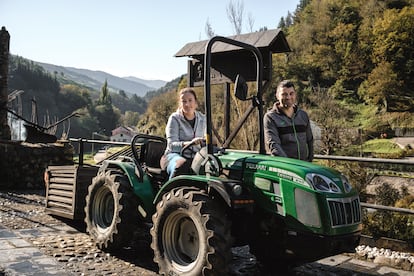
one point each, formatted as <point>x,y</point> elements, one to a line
<point>393,46</point>
<point>381,85</point>
<point>73,97</point>
<point>104,112</point>
<point>130,118</point>
<point>105,97</point>
<point>282,23</point>
<point>123,94</point>
<point>107,117</point>
<point>135,98</point>
<point>83,125</point>
<point>303,4</point>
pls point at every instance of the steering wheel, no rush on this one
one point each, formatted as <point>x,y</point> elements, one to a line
<point>189,147</point>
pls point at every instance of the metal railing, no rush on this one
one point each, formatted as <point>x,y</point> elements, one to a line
<point>365,159</point>
<point>387,208</point>
<point>81,148</point>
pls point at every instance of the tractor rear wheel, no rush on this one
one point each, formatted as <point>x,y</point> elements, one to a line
<point>191,234</point>
<point>111,210</point>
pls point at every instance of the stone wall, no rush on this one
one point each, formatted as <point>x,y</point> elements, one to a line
<point>22,164</point>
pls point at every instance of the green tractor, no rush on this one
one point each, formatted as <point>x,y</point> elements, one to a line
<point>284,209</point>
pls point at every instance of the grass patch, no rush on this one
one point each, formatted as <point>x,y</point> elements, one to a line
<point>87,159</point>
<point>384,148</point>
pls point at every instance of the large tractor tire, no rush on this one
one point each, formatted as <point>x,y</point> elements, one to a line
<point>191,234</point>
<point>111,210</point>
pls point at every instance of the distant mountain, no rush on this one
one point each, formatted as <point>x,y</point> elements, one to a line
<point>95,79</point>
<point>151,83</point>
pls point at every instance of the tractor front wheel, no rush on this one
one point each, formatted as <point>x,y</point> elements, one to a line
<point>191,234</point>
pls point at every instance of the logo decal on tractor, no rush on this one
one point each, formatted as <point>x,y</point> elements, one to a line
<point>253,166</point>
<point>287,175</point>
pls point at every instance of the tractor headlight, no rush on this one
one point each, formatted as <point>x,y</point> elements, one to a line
<point>234,188</point>
<point>345,182</point>
<point>322,183</point>
<point>237,190</point>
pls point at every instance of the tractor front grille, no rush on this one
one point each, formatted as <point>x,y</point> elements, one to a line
<point>345,211</point>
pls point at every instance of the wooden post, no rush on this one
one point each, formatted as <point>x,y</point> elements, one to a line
<point>5,133</point>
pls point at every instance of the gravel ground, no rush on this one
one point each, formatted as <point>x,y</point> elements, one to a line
<point>77,253</point>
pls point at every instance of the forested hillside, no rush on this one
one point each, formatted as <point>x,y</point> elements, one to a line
<point>353,64</point>
<point>46,99</point>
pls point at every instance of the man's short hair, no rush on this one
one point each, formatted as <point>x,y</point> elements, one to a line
<point>285,84</point>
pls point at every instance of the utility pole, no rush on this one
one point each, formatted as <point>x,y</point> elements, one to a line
<point>5,133</point>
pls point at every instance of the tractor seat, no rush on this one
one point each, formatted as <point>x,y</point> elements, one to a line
<point>154,150</point>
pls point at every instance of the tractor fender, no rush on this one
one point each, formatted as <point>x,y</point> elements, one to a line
<point>138,180</point>
<point>127,167</point>
<point>210,184</point>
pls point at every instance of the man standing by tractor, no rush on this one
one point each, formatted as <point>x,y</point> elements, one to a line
<point>287,128</point>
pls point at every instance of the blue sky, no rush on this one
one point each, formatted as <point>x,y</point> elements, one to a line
<point>125,37</point>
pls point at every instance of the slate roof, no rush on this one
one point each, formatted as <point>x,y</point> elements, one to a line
<point>274,40</point>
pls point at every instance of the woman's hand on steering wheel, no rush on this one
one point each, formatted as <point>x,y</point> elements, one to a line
<point>195,141</point>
